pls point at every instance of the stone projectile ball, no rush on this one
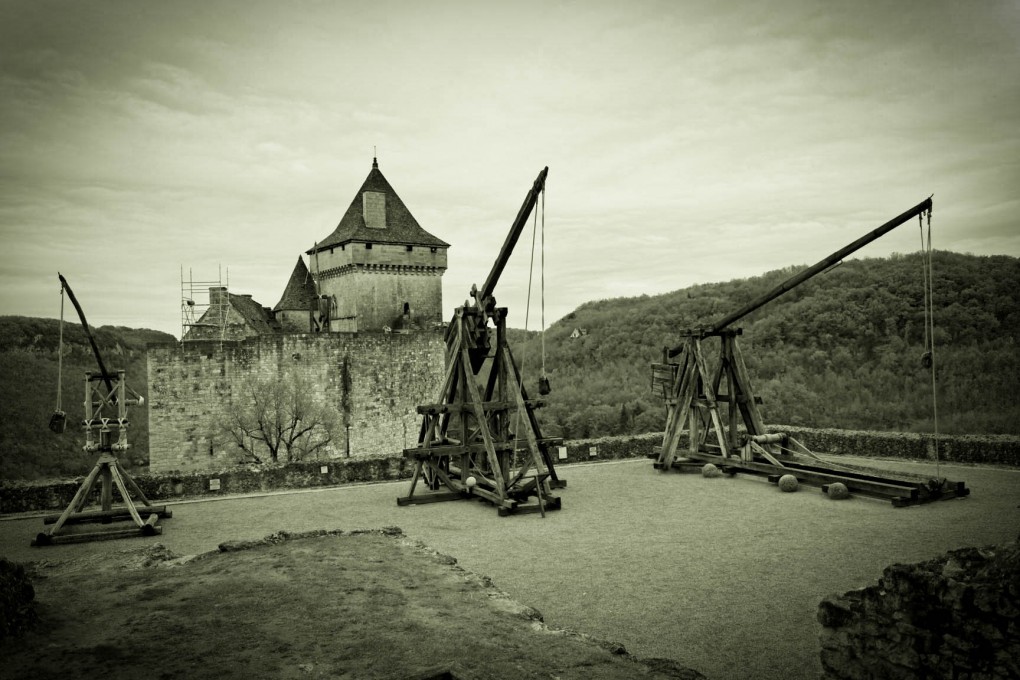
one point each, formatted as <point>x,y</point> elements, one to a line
<point>838,491</point>
<point>788,483</point>
<point>710,471</point>
<point>470,482</point>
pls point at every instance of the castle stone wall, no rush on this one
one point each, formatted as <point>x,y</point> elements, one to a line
<point>373,381</point>
<point>294,320</point>
<point>375,297</point>
<point>384,298</point>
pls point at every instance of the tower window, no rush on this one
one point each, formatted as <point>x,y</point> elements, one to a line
<point>368,246</point>
<point>432,250</point>
<point>407,308</point>
<point>410,248</point>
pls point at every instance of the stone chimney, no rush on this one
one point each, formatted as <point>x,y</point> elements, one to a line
<point>218,296</point>
<point>219,303</point>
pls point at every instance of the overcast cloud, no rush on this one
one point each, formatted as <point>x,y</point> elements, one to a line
<point>687,142</point>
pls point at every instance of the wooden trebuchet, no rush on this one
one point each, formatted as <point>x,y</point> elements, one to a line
<point>106,431</point>
<point>481,437</point>
<point>718,406</point>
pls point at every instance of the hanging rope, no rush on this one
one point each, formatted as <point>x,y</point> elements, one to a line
<point>531,267</point>
<point>531,273</point>
<point>543,388</point>
<point>60,355</point>
<point>58,420</point>
<point>925,267</point>
<point>928,358</point>
<point>543,381</point>
<point>544,378</point>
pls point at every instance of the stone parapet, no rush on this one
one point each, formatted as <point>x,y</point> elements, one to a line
<point>955,617</point>
<point>362,466</point>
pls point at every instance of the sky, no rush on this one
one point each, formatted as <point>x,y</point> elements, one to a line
<point>146,143</point>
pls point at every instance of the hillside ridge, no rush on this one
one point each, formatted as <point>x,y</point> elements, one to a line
<point>842,350</point>
<point>30,366</point>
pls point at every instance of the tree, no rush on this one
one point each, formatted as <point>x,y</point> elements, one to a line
<point>279,417</point>
<point>626,422</point>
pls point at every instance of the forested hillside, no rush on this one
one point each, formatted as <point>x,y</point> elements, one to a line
<point>29,366</point>
<point>842,350</point>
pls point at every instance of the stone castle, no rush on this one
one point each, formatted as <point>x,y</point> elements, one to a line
<point>360,324</point>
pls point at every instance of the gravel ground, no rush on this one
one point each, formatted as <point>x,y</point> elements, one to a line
<point>723,575</point>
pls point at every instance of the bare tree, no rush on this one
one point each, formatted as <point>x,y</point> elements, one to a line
<point>279,417</point>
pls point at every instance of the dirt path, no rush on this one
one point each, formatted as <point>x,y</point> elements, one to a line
<point>722,575</point>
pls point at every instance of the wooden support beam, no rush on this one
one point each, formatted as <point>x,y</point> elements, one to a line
<point>122,487</point>
<point>683,391</point>
<point>113,514</point>
<point>549,504</point>
<point>742,381</point>
<point>458,449</point>
<point>709,394</point>
<point>516,384</point>
<point>822,265</point>
<point>764,453</point>
<point>438,409</point>
<point>79,498</point>
<point>432,497</point>
<point>149,527</point>
<point>109,471</point>
<point>45,539</point>
<point>475,401</point>
<point>898,490</point>
<point>882,489</point>
<point>136,491</point>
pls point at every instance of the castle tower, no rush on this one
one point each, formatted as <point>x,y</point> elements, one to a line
<point>296,305</point>
<point>379,269</point>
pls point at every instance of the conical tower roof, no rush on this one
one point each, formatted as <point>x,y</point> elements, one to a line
<point>300,291</point>
<point>390,221</point>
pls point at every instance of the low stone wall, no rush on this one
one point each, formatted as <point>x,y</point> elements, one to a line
<point>970,449</point>
<point>956,616</point>
<point>984,449</point>
<point>54,496</point>
<point>27,497</point>
<point>606,448</point>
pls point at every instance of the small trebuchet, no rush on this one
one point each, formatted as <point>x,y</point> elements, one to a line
<point>105,425</point>
<point>481,437</point>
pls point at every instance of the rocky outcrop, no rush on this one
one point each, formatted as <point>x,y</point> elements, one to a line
<point>17,599</point>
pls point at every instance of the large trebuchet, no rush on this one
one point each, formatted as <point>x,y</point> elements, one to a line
<point>716,402</point>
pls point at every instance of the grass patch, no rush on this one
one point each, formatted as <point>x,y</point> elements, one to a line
<point>721,575</point>
<point>330,605</point>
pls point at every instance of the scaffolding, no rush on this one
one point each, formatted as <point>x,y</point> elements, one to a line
<point>199,311</point>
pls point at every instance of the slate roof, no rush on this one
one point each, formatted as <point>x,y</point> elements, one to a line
<point>401,227</point>
<point>300,291</point>
<point>259,318</point>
